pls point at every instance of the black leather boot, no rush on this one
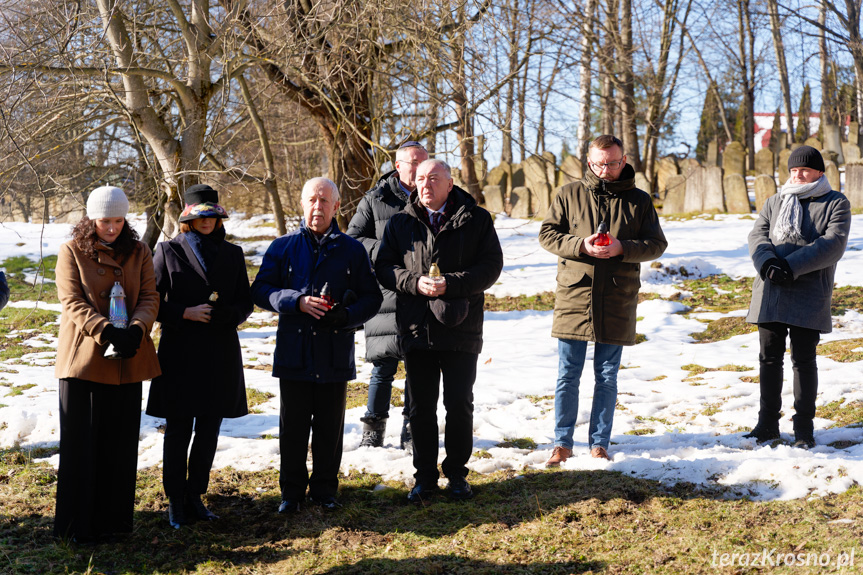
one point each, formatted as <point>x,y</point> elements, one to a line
<point>407,440</point>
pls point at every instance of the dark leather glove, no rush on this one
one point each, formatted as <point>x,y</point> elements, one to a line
<point>223,316</point>
<point>777,271</point>
<point>336,317</point>
<point>110,333</point>
<point>127,341</point>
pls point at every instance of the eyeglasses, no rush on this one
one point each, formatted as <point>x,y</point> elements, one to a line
<point>609,165</point>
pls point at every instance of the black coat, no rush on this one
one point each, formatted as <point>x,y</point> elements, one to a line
<point>373,213</point>
<point>469,256</point>
<point>202,367</point>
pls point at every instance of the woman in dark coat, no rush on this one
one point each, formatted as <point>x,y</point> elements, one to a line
<point>100,397</point>
<point>204,289</point>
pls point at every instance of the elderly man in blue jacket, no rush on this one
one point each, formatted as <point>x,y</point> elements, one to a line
<point>320,282</point>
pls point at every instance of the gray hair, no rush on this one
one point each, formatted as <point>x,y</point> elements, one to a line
<point>400,153</point>
<point>437,162</point>
<point>310,186</point>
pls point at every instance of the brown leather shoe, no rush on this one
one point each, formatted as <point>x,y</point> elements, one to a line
<point>599,452</point>
<point>558,456</point>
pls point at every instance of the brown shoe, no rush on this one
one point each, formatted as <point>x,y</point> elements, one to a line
<point>599,452</point>
<point>558,456</point>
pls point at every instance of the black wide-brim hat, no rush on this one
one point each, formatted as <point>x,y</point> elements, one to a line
<point>202,201</point>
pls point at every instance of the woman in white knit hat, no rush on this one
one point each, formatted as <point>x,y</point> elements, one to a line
<point>100,397</point>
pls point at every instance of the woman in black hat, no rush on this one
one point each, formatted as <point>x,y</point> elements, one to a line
<point>204,289</point>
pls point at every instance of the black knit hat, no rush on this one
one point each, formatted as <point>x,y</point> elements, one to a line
<point>202,201</point>
<point>806,157</point>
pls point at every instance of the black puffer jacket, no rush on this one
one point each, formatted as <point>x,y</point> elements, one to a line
<point>373,213</point>
<point>469,256</point>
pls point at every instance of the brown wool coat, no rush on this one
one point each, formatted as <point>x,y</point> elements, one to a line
<point>84,286</point>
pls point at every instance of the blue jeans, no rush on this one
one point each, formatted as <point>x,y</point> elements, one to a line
<point>606,361</point>
<point>381,388</point>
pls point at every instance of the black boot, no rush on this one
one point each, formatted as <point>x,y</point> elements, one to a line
<point>407,440</point>
<point>764,432</point>
<point>176,512</point>
<point>200,510</point>
<point>374,429</point>
<point>804,434</point>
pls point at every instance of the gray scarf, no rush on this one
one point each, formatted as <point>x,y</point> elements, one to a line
<point>787,228</point>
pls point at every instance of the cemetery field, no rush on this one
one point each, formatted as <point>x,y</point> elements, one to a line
<point>549,522</point>
<point>684,492</point>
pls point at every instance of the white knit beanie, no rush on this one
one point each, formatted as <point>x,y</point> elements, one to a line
<point>107,202</point>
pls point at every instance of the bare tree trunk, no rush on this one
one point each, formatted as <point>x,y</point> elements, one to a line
<point>506,150</point>
<point>583,131</point>
<point>464,130</point>
<point>779,47</point>
<point>629,128</point>
<point>746,63</point>
<point>269,165</point>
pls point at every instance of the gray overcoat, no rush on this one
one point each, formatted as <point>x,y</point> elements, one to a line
<point>804,302</point>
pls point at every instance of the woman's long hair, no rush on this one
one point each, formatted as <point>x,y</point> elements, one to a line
<point>84,236</point>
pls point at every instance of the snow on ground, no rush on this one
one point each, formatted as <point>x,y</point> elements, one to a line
<point>667,427</point>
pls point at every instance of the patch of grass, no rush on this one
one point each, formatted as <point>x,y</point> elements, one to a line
<point>751,379</point>
<point>842,413</point>
<point>694,368</point>
<point>661,420</point>
<point>518,443</point>
<point>640,338</point>
<point>358,393</point>
<point>535,399</point>
<point>718,293</point>
<point>639,431</point>
<point>711,409</point>
<point>262,238</point>
<point>845,298</point>
<point>724,328</point>
<point>734,367</point>
<point>256,397</point>
<point>482,454</point>
<point>520,521</point>
<point>658,378</point>
<point>20,389</point>
<point>20,289</point>
<point>842,350</point>
<point>540,302</point>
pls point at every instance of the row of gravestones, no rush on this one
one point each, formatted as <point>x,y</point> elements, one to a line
<point>524,190</point>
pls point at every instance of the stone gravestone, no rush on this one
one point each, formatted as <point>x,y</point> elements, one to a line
<point>493,199</point>
<point>736,194</point>
<point>833,142</point>
<point>830,156</point>
<point>765,186</point>
<point>497,176</point>
<point>783,166</point>
<point>734,159</point>
<point>456,178</point>
<point>641,183</point>
<point>814,142</point>
<point>704,191</point>
<point>687,165</point>
<point>570,171</point>
<point>851,152</point>
<point>832,173</point>
<point>536,180</point>
<point>665,168</point>
<point>712,157</point>
<point>550,167</point>
<point>764,161</point>
<point>517,176</point>
<point>854,133</point>
<point>854,184</point>
<point>675,193</point>
<point>519,201</point>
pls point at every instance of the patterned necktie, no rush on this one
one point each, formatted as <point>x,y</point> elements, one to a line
<point>435,222</point>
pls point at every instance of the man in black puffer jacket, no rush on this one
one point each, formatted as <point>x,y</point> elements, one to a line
<point>440,318</point>
<point>387,198</point>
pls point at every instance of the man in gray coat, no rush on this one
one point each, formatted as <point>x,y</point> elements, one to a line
<point>799,236</point>
<point>388,197</point>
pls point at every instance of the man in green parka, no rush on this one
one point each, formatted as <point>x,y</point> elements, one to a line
<point>600,228</point>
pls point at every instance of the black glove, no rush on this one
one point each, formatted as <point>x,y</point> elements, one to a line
<point>336,317</point>
<point>349,298</point>
<point>777,271</point>
<point>127,341</point>
<point>223,316</point>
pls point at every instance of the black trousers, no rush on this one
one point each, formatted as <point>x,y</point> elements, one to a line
<point>803,361</point>
<point>99,428</point>
<point>424,369</point>
<point>318,408</point>
<point>178,435</point>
